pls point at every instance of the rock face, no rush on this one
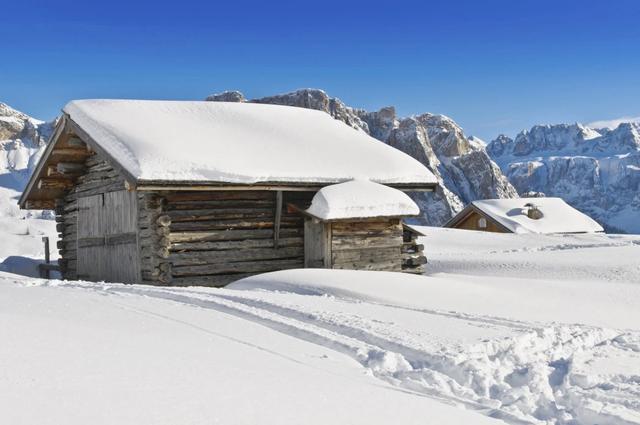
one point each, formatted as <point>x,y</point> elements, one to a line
<point>462,166</point>
<point>595,170</point>
<point>21,138</point>
<point>22,141</point>
<point>228,96</point>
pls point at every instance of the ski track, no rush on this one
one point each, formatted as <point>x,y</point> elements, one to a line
<point>568,246</point>
<point>533,373</point>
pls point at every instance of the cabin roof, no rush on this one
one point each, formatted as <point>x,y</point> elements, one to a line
<point>511,214</point>
<point>188,145</point>
<point>243,143</point>
<point>360,199</point>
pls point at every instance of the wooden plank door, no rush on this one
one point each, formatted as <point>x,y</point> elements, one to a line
<point>107,237</point>
<point>317,244</point>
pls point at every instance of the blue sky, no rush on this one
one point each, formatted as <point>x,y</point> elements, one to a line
<point>493,66</point>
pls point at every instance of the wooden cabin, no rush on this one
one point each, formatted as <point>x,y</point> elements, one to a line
<point>523,215</point>
<point>205,193</point>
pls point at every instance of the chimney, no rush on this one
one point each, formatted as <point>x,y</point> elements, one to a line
<point>533,212</point>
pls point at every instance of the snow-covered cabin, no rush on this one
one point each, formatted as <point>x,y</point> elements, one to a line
<point>523,215</point>
<point>182,193</point>
<point>358,225</point>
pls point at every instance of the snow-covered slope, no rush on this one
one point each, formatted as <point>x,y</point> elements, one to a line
<point>21,141</point>
<point>463,168</point>
<point>594,170</point>
<point>520,328</point>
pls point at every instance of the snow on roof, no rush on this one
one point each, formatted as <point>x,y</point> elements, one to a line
<point>360,199</point>
<point>241,143</point>
<point>557,216</point>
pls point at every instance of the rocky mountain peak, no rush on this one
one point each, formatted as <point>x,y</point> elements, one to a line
<point>319,100</point>
<point>380,124</point>
<point>15,124</point>
<point>22,140</point>
<point>226,96</point>
<point>596,171</point>
<point>446,136</point>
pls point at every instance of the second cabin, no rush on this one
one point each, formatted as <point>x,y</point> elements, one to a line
<point>523,215</point>
<point>205,193</point>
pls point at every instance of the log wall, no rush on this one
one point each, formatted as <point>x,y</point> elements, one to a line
<point>367,245</point>
<point>215,237</point>
<point>413,258</point>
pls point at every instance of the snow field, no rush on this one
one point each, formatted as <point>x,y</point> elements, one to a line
<point>540,329</point>
<point>105,354</point>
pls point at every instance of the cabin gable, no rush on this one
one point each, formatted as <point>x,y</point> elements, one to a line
<point>476,220</point>
<point>473,218</point>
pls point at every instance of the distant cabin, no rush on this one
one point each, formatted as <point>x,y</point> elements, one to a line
<point>204,193</point>
<point>523,215</point>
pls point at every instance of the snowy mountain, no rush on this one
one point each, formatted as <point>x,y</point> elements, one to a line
<point>461,164</point>
<point>22,140</point>
<point>595,170</point>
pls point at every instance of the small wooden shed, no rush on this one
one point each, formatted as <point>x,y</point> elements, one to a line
<point>523,215</point>
<point>204,193</point>
<point>358,225</point>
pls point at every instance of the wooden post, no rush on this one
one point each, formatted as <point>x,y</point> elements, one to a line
<point>47,257</point>
<point>276,222</point>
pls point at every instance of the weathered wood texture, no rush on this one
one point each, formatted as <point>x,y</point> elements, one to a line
<point>317,244</point>
<point>205,237</point>
<point>367,245</point>
<point>92,176</point>
<point>107,237</point>
<point>213,238</point>
<point>413,259</point>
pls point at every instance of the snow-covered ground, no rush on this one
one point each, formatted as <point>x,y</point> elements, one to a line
<point>21,232</point>
<point>513,328</point>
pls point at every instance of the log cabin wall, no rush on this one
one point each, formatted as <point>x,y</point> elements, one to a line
<point>367,245</point>
<point>413,258</point>
<point>215,237</point>
<point>98,181</point>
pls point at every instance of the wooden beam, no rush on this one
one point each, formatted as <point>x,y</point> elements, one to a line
<point>70,152</point>
<point>177,185</point>
<point>202,187</point>
<point>52,171</point>
<point>278,218</point>
<point>40,204</point>
<point>75,142</point>
<point>230,235</point>
<point>54,184</point>
<point>70,167</point>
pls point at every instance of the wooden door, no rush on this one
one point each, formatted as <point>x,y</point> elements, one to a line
<point>107,237</point>
<point>317,245</point>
